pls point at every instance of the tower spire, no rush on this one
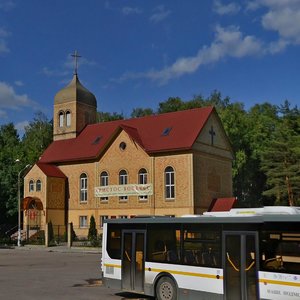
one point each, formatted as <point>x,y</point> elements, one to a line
<point>76,56</point>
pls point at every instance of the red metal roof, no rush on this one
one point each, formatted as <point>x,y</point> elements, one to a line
<point>222,204</point>
<point>184,128</point>
<point>51,170</point>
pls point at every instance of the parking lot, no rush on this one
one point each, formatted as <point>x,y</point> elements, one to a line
<point>39,273</point>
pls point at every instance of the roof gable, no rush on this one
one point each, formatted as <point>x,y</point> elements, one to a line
<point>51,170</point>
<point>158,133</point>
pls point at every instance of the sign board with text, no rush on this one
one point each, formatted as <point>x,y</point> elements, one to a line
<point>124,190</point>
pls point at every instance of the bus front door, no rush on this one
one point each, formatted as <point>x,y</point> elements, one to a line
<point>240,265</point>
<point>133,262</point>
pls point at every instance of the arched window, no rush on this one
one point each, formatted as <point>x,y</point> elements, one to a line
<point>31,186</point>
<point>61,119</point>
<point>68,118</point>
<point>143,180</point>
<point>104,182</point>
<point>38,185</point>
<point>123,178</point>
<point>169,183</point>
<point>83,187</point>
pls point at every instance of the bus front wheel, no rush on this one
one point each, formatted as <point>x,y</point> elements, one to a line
<point>166,289</point>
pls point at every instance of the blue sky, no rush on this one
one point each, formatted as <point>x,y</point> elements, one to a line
<point>139,53</point>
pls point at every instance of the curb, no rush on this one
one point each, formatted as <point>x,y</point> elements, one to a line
<point>64,249</point>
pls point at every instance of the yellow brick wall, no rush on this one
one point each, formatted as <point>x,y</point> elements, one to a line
<point>201,174</point>
<point>52,196</point>
<point>212,179</point>
<point>78,119</point>
<point>132,159</point>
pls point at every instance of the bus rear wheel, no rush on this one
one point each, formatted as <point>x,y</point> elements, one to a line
<point>166,289</point>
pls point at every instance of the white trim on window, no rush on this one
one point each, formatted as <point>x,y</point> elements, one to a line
<point>83,187</point>
<point>169,183</point>
<point>83,222</point>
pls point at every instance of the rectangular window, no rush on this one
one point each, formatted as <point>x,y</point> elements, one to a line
<point>68,119</point>
<point>102,218</point>
<point>83,189</point>
<point>163,243</point>
<point>123,179</point>
<point>104,182</point>
<point>61,119</point>
<point>143,180</point>
<point>122,217</point>
<point>83,222</point>
<point>114,241</point>
<point>280,251</point>
<point>31,186</point>
<point>201,246</point>
<point>170,185</point>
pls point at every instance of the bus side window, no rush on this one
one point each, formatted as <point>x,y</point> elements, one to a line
<point>114,243</point>
<point>163,243</point>
<point>160,251</point>
<point>280,251</point>
<point>201,246</point>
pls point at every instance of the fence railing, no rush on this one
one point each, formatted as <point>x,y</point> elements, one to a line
<point>57,235</point>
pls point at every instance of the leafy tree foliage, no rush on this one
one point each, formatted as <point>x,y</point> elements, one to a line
<point>141,112</point>
<point>106,116</point>
<point>9,151</point>
<point>38,136</point>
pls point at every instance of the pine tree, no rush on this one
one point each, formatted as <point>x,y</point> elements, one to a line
<point>92,235</point>
<point>281,164</point>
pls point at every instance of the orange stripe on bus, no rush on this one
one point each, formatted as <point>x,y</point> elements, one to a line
<point>187,273</point>
<point>112,265</point>
<point>297,284</point>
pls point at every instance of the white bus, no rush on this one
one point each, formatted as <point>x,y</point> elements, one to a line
<point>244,254</point>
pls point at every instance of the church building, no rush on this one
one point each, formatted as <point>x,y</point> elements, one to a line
<point>169,164</point>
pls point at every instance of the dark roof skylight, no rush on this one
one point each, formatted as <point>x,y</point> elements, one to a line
<point>97,140</point>
<point>166,131</point>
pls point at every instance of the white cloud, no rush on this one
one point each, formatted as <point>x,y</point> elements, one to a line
<point>160,13</point>
<point>283,17</point>
<point>286,21</point>
<point>9,99</point>
<point>131,10</point>
<point>228,42</point>
<point>225,9</point>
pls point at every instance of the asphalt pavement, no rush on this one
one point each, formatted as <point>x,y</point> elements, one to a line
<point>38,272</point>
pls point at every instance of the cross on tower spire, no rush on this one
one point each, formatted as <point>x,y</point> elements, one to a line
<point>76,56</point>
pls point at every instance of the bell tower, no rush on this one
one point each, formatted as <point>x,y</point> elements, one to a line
<point>74,108</point>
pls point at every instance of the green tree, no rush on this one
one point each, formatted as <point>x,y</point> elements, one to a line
<point>281,159</point>
<point>172,104</point>
<point>51,232</point>
<point>10,150</point>
<point>92,235</point>
<point>38,136</point>
<point>106,116</point>
<point>141,112</point>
